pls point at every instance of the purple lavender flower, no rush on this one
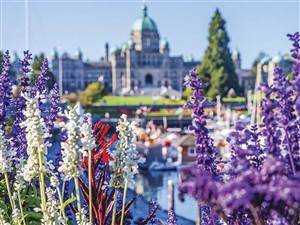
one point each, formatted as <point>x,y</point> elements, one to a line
<point>269,126</point>
<point>198,180</point>
<point>283,91</point>
<point>19,104</point>
<point>246,150</point>
<point>53,112</point>
<point>171,218</point>
<point>266,190</point>
<point>295,38</point>
<point>208,217</point>
<point>206,152</point>
<point>199,184</point>
<point>5,89</point>
<point>40,83</point>
<point>24,80</point>
<point>264,180</point>
<point>153,208</point>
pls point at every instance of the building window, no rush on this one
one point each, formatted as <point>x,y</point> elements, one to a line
<point>132,85</point>
<point>166,84</point>
<point>149,79</point>
<point>191,152</point>
<point>166,74</point>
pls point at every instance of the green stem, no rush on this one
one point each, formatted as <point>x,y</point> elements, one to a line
<point>63,189</point>
<point>42,182</point>
<point>13,206</point>
<point>115,207</point>
<point>78,197</point>
<point>124,201</point>
<point>62,210</point>
<point>21,207</point>
<point>12,203</point>
<point>90,185</point>
<point>255,215</point>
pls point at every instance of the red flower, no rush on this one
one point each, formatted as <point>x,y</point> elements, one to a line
<point>100,153</point>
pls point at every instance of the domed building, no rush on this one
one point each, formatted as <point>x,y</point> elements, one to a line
<point>245,78</point>
<point>141,66</point>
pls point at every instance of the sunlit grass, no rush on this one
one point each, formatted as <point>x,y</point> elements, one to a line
<point>137,100</point>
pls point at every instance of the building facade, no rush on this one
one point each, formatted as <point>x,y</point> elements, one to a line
<point>141,66</point>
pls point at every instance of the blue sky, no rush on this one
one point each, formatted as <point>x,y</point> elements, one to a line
<point>253,26</point>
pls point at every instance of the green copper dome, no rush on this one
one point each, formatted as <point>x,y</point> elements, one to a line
<point>164,44</point>
<point>265,60</point>
<point>78,54</point>
<point>288,57</point>
<point>277,58</point>
<point>236,54</point>
<point>144,22</point>
<point>130,43</point>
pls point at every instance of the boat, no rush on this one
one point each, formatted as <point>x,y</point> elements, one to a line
<point>163,166</point>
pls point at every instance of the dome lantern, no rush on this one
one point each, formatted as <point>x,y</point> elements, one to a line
<point>144,22</point>
<point>236,55</point>
<point>78,54</point>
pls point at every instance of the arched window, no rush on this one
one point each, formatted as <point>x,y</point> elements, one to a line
<point>132,84</point>
<point>166,83</point>
<point>149,79</point>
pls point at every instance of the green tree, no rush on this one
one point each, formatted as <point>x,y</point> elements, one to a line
<point>92,93</point>
<point>36,66</point>
<point>217,69</point>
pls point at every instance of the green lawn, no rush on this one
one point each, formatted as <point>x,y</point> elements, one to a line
<point>136,100</point>
<point>234,99</point>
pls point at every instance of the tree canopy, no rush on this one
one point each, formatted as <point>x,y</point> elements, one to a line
<point>92,93</point>
<point>217,68</point>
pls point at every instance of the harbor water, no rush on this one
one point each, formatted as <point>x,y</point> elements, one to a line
<point>154,185</point>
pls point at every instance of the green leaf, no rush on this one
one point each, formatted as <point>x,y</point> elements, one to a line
<point>69,201</point>
<point>34,215</point>
<point>3,206</point>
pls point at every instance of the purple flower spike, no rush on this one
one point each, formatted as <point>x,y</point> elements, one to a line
<point>53,112</point>
<point>295,38</point>
<point>19,103</point>
<point>40,83</point>
<point>153,208</point>
<point>171,218</point>
<point>246,149</point>
<point>206,152</point>
<point>5,89</point>
<point>269,124</point>
<point>24,79</point>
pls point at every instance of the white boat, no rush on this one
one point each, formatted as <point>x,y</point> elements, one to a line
<point>162,166</point>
